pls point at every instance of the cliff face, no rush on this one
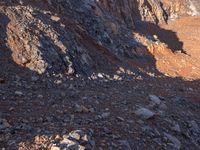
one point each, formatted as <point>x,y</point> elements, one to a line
<point>78,37</point>
<point>154,11</point>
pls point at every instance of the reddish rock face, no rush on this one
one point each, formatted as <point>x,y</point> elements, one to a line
<point>154,11</point>
<point>80,36</point>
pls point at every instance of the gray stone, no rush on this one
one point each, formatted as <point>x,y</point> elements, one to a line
<point>144,113</point>
<point>194,126</point>
<point>120,118</point>
<point>105,115</point>
<point>163,106</point>
<point>176,128</point>
<point>81,108</point>
<point>125,145</point>
<point>18,93</point>
<point>175,142</point>
<point>34,78</point>
<point>155,99</point>
<point>4,124</point>
<point>75,135</point>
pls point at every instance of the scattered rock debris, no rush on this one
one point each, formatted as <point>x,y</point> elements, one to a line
<point>87,75</point>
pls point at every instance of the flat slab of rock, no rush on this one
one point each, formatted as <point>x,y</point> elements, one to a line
<point>144,113</point>
<point>155,99</point>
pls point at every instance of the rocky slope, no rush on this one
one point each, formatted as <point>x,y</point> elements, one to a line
<point>74,37</point>
<point>155,11</point>
<point>99,74</point>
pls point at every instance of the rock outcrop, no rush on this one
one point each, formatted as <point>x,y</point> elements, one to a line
<point>80,37</point>
<point>154,11</point>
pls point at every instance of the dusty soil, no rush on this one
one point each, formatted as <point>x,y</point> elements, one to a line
<point>179,56</point>
<point>187,30</point>
<point>185,62</point>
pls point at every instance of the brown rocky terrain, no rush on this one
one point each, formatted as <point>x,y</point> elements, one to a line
<point>99,74</point>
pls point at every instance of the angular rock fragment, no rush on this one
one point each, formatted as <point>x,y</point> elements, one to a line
<point>155,99</point>
<point>4,124</point>
<point>174,141</point>
<point>144,113</point>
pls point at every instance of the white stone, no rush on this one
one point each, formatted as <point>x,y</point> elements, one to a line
<point>19,93</point>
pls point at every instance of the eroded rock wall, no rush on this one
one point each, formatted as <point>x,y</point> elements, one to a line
<point>154,11</point>
<point>78,37</point>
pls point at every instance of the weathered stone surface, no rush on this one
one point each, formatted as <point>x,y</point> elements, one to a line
<point>144,113</point>
<point>154,99</point>
<point>80,37</point>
